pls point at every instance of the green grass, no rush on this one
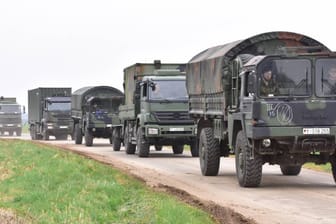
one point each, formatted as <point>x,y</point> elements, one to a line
<point>46,185</point>
<point>324,168</point>
<point>25,128</point>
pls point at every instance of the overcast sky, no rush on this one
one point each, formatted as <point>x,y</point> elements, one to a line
<point>76,43</point>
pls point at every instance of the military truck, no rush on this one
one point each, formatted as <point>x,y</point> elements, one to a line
<point>156,109</point>
<point>10,116</point>
<point>94,110</point>
<point>49,113</point>
<point>292,126</point>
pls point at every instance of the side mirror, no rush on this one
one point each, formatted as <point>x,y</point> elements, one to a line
<point>251,83</point>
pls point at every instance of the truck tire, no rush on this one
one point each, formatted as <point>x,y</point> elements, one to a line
<point>88,137</point>
<point>290,170</point>
<point>333,165</point>
<point>32,132</point>
<point>45,135</point>
<point>18,132</point>
<point>248,170</point>
<point>194,149</point>
<point>158,147</point>
<point>142,144</point>
<point>116,141</point>
<point>78,135</point>
<point>178,149</point>
<point>209,153</point>
<point>129,147</point>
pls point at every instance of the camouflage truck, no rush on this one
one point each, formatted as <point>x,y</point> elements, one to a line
<point>10,116</point>
<point>156,109</point>
<point>49,113</point>
<point>294,125</point>
<point>94,110</point>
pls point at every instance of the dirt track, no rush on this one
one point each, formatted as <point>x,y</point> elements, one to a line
<point>307,198</point>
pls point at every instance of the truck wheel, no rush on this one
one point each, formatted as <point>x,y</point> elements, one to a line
<point>129,147</point>
<point>290,170</point>
<point>194,149</point>
<point>88,137</point>
<point>158,147</point>
<point>45,135</point>
<point>209,153</point>
<point>248,170</point>
<point>333,165</point>
<point>178,149</point>
<point>32,132</point>
<point>142,144</point>
<point>18,132</point>
<point>78,135</point>
<point>116,141</point>
<point>10,133</point>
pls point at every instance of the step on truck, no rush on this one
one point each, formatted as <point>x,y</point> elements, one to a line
<point>270,99</point>
<point>156,109</point>
<point>49,113</point>
<point>94,110</point>
<point>10,116</point>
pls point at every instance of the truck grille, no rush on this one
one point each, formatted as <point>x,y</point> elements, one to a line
<point>179,117</point>
<point>10,120</point>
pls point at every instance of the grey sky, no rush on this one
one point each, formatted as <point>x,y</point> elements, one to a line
<point>76,43</point>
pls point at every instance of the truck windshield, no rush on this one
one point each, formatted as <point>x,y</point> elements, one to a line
<point>168,90</point>
<point>58,106</point>
<point>285,77</point>
<point>105,105</point>
<point>10,109</point>
<point>325,77</point>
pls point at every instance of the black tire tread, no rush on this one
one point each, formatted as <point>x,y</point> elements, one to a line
<point>212,153</point>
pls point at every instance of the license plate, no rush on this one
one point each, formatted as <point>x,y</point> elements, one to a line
<point>316,131</point>
<point>176,129</point>
<point>63,127</point>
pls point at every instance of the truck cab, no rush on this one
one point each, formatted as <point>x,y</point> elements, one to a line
<point>158,114</point>
<point>10,116</point>
<point>295,123</point>
<point>56,119</point>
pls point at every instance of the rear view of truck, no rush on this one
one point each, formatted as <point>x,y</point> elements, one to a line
<point>49,113</point>
<point>10,116</point>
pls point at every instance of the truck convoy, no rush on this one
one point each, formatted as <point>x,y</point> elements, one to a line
<point>156,109</point>
<point>10,116</point>
<point>49,113</point>
<point>94,111</point>
<point>293,124</point>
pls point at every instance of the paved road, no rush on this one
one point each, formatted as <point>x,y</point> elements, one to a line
<point>307,198</point>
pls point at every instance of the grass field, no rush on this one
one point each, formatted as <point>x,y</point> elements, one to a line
<point>41,184</point>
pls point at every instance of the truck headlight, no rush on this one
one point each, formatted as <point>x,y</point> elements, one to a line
<point>1,125</point>
<point>50,125</point>
<point>153,131</point>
